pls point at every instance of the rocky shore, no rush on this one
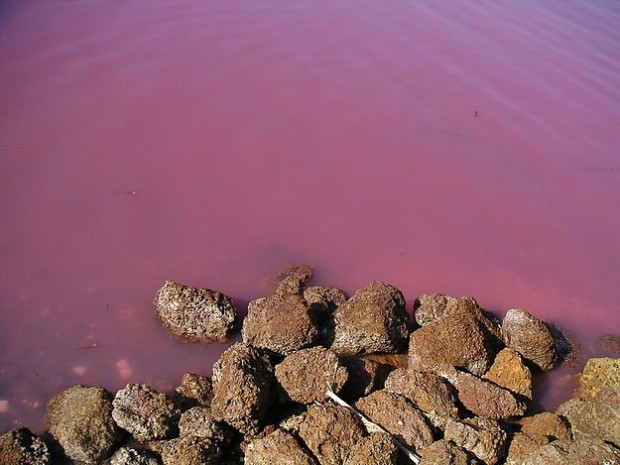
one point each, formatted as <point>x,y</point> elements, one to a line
<point>325,379</point>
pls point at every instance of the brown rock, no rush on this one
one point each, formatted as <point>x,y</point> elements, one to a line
<point>429,308</point>
<point>280,323</point>
<point>398,416</point>
<point>198,421</point>
<point>330,432</point>
<point>597,417</point>
<point>188,450</point>
<point>372,320</point>
<point>147,414</point>
<point>243,388</point>
<point>582,452</point>
<point>486,399</point>
<point>480,436</point>
<point>292,280</point>
<point>131,456</point>
<point>304,375</point>
<point>195,314</point>
<point>611,343</point>
<point>598,374</point>
<point>530,337</point>
<point>21,447</point>
<point>194,390</point>
<point>376,449</point>
<point>508,371</point>
<point>364,377</point>
<point>445,452</point>
<point>428,392</point>
<point>278,448</point>
<point>546,424</point>
<point>80,419</point>
<point>324,299</point>
<point>522,445</point>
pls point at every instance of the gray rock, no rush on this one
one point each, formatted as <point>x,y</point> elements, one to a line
<point>80,419</point>
<point>278,448</point>
<point>568,452</point>
<point>145,413</point>
<point>375,449</point>
<point>304,375</point>
<point>243,388</point>
<point>131,456</point>
<point>445,452</point>
<point>21,447</point>
<point>482,437</point>
<point>194,314</point>
<point>373,320</point>
<point>530,337</point>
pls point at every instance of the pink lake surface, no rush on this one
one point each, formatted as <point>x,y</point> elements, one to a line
<point>469,148</point>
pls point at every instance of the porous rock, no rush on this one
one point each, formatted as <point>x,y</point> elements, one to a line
<point>398,416</point>
<point>568,452</point>
<point>330,431</point>
<point>147,414</point>
<point>188,450</point>
<point>278,448</point>
<point>546,424</point>
<point>194,390</point>
<point>598,374</point>
<point>304,375</point>
<point>596,417</point>
<point>131,456</point>
<point>243,388</point>
<point>198,421</point>
<point>481,436</point>
<point>375,449</point>
<point>466,335</point>
<point>530,337</point>
<point>508,371</point>
<point>324,299</point>
<point>195,314</point>
<point>521,445</point>
<point>428,308</point>
<point>280,323</point>
<point>292,279</point>
<point>372,320</point>
<point>80,419</point>
<point>445,452</point>
<point>21,447</point>
<point>364,376</point>
<point>486,399</point>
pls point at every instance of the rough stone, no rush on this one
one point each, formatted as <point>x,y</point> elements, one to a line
<point>398,416</point>
<point>322,301</point>
<point>21,447</point>
<point>373,320</point>
<point>530,337</point>
<point>521,445</point>
<point>611,343</point>
<point>305,374</point>
<point>280,323</point>
<point>147,414</point>
<point>292,280</point>
<point>243,388</point>
<point>599,374</point>
<point>80,419</point>
<point>568,452</point>
<point>428,392</point>
<point>198,421</point>
<point>364,377</point>
<point>375,449</point>
<point>481,436</point>
<point>508,371</point>
<point>194,390</point>
<point>597,417</point>
<point>330,431</point>
<point>429,308</point>
<point>445,452</point>
<point>188,450</point>
<point>546,424</point>
<point>131,456</point>
<point>278,448</point>
<point>194,314</point>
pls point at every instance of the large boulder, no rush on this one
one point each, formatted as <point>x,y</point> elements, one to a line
<point>147,414</point>
<point>80,419</point>
<point>278,448</point>
<point>194,314</point>
<point>372,320</point>
<point>530,337</point>
<point>243,388</point>
<point>21,447</point>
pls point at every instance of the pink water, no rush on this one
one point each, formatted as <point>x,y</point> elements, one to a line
<point>468,148</point>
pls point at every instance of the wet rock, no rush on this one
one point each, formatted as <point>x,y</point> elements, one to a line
<point>278,448</point>
<point>195,314</point>
<point>372,320</point>
<point>398,416</point>
<point>21,447</point>
<point>530,337</point>
<point>80,419</point>
<point>428,392</point>
<point>546,424</point>
<point>376,449</point>
<point>508,371</point>
<point>447,453</point>
<point>598,374</point>
<point>280,323</point>
<point>304,375</point>
<point>194,390</point>
<point>147,414</point>
<point>188,450</point>
<point>198,421</point>
<point>582,452</point>
<point>131,456</point>
<point>330,431</point>
<point>364,377</point>
<point>429,308</point>
<point>481,436</point>
<point>243,388</point>
<point>486,399</point>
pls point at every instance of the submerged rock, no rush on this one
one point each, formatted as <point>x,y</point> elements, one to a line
<point>530,337</point>
<point>21,447</point>
<point>194,314</point>
<point>80,419</point>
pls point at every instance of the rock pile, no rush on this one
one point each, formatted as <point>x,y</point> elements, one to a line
<point>320,379</point>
